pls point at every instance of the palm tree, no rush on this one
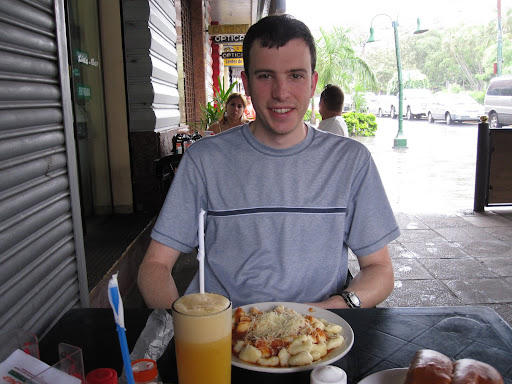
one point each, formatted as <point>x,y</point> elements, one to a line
<point>337,62</point>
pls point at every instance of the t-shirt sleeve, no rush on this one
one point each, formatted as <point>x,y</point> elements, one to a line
<point>371,223</point>
<point>177,223</point>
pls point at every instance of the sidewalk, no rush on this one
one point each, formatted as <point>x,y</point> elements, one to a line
<point>447,254</point>
<point>453,259</point>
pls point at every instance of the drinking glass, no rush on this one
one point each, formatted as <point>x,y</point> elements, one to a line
<point>202,335</point>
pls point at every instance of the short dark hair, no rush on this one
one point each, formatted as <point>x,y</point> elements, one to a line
<point>276,31</point>
<point>333,98</point>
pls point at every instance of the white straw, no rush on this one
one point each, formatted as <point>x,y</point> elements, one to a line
<point>200,251</point>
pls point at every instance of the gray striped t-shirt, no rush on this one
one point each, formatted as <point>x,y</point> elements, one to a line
<point>279,221</point>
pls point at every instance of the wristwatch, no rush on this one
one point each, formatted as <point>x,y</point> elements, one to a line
<point>351,299</point>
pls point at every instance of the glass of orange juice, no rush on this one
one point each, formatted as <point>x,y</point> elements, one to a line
<point>202,335</point>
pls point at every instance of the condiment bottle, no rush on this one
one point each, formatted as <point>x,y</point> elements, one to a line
<point>102,376</point>
<point>328,375</point>
<point>145,372</point>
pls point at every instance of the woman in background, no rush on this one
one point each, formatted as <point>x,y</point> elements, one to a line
<point>233,115</point>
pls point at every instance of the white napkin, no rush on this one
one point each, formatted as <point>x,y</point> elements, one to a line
<point>21,367</point>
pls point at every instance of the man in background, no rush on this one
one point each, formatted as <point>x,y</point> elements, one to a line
<point>330,107</point>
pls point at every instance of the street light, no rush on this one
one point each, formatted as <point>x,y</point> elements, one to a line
<point>400,140</point>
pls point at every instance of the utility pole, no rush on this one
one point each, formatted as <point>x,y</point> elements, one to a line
<point>500,52</point>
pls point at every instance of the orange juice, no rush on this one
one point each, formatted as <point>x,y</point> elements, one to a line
<point>212,356</point>
<point>202,335</point>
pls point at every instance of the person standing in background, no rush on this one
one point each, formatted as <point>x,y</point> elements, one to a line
<point>330,108</point>
<point>234,114</point>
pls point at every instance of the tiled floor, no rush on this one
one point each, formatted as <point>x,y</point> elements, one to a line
<point>455,259</point>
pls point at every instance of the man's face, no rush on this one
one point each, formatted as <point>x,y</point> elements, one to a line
<point>281,85</point>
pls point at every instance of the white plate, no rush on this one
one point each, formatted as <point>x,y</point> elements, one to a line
<point>389,376</point>
<point>319,313</point>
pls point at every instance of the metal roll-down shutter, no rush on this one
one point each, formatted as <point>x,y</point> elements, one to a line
<point>42,267</point>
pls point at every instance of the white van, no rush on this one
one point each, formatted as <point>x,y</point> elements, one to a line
<point>498,102</point>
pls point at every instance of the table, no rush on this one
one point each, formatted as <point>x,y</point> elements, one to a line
<point>384,338</point>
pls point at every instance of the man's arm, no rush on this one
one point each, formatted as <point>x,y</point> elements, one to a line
<point>155,281</point>
<point>373,283</point>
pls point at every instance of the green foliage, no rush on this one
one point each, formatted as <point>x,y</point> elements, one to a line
<point>478,96</point>
<point>360,124</point>
<point>411,80</point>
<point>338,63</point>
<point>461,56</point>
<point>210,113</point>
<point>222,95</point>
<point>307,116</point>
<point>213,110</point>
<point>359,99</point>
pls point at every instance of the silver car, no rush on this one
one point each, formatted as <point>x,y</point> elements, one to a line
<point>454,107</point>
<point>498,101</point>
<point>380,105</point>
<point>415,103</point>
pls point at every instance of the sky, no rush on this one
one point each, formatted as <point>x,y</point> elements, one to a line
<point>358,14</point>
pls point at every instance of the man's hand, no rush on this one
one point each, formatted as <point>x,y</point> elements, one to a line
<point>154,279</point>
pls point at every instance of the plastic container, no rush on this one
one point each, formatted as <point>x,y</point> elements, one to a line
<point>102,376</point>
<point>328,375</point>
<point>145,371</point>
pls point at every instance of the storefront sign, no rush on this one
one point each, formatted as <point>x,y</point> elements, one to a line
<point>234,62</point>
<point>228,29</point>
<point>221,39</point>
<point>233,54</point>
<point>83,58</point>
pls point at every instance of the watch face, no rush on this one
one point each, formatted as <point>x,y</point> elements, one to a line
<point>352,299</point>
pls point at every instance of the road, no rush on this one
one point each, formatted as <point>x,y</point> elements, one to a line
<point>435,174</point>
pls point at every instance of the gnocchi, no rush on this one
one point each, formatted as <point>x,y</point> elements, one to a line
<point>282,337</point>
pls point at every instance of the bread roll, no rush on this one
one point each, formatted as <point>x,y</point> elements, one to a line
<point>469,371</point>
<point>428,367</point>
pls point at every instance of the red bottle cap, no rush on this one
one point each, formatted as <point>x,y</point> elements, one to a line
<point>144,370</point>
<point>102,376</point>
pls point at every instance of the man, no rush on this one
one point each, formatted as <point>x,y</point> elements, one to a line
<point>284,201</point>
<point>330,107</point>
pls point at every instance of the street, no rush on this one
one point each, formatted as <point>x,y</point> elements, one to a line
<point>435,174</point>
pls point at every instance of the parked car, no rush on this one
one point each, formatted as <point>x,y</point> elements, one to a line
<point>498,101</point>
<point>381,105</point>
<point>454,107</point>
<point>416,103</point>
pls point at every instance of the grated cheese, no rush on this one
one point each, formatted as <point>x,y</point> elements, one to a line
<point>278,324</point>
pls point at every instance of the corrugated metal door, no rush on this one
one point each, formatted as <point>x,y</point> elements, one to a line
<point>42,267</point>
<point>151,64</point>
